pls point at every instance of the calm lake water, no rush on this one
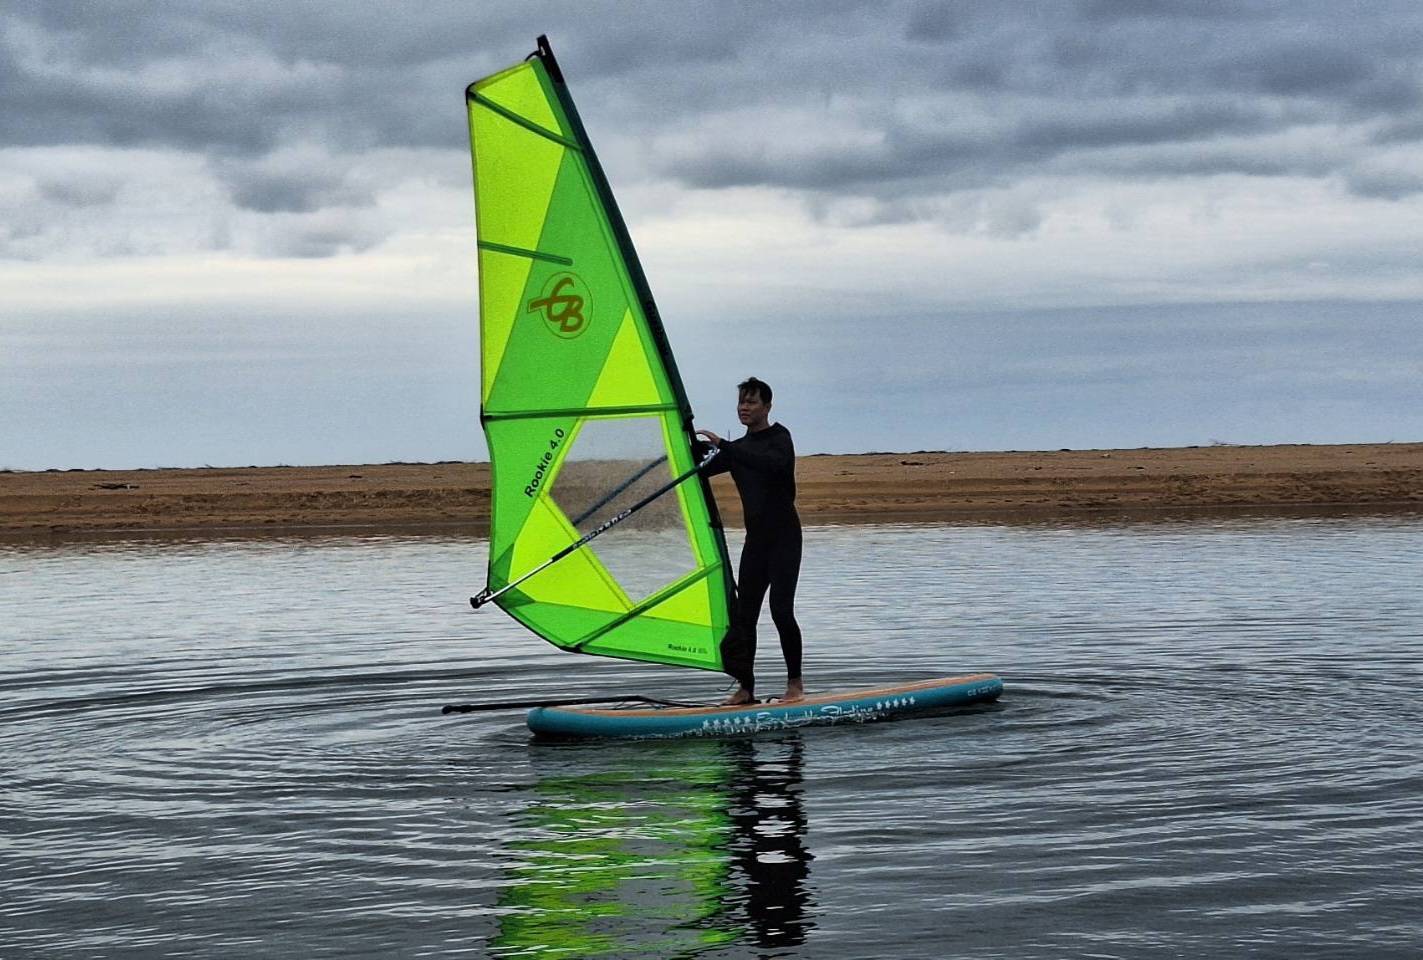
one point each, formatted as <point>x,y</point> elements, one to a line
<point>1210,745</point>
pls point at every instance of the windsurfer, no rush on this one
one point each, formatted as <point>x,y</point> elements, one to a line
<point>762,463</point>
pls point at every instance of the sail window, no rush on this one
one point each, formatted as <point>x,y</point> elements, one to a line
<point>612,465</point>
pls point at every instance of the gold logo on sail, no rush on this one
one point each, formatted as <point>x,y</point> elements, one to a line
<point>564,304</point>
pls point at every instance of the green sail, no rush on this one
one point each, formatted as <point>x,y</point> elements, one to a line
<point>581,402</point>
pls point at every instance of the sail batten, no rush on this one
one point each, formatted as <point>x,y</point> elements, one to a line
<point>524,122</point>
<point>521,252</point>
<point>650,603</point>
<point>589,412</point>
<point>587,421</point>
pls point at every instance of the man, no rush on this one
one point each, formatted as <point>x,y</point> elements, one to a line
<point>763,465</point>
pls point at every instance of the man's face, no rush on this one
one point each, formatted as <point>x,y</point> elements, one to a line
<point>750,410</point>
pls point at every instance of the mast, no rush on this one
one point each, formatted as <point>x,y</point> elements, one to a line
<point>544,52</point>
<point>620,230</point>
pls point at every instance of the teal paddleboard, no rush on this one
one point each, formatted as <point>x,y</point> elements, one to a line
<point>852,706</point>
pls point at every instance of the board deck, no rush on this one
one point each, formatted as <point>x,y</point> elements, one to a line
<point>850,706</point>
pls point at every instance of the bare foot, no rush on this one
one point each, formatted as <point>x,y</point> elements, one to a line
<point>740,698</point>
<point>795,690</point>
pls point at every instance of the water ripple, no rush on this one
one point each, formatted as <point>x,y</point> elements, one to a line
<point>229,748</point>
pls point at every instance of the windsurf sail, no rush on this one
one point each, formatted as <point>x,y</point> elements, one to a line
<point>604,538</point>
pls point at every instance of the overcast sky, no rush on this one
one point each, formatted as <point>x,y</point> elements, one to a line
<point>242,232</point>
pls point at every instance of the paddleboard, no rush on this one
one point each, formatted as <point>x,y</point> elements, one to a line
<point>825,709</point>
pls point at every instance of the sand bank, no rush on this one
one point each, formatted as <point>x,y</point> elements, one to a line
<point>867,488</point>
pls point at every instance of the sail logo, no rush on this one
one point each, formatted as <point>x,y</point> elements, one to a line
<point>564,304</point>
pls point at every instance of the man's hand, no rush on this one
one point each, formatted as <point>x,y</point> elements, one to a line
<point>710,437</point>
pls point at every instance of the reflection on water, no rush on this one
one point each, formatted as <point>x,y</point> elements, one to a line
<point>769,855</point>
<point>1208,747</point>
<point>691,849</point>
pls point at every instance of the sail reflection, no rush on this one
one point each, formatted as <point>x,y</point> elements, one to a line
<point>670,850</point>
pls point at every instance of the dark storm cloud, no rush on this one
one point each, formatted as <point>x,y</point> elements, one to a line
<point>922,158</point>
<point>960,97</point>
<point>235,79</point>
<point>885,102</point>
<point>241,76</point>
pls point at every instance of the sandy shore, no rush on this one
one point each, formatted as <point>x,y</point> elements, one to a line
<point>859,488</point>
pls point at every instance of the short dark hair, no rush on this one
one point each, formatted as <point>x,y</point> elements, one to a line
<point>752,385</point>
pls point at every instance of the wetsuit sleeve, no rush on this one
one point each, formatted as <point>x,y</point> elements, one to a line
<point>720,463</point>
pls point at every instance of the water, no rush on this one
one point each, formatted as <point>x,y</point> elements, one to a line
<point>1209,746</point>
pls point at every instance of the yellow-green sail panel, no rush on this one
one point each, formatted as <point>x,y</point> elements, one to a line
<point>581,402</point>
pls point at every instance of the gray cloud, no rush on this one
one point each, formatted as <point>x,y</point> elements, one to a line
<point>1060,90</point>
<point>131,69</point>
<point>1386,184</point>
<point>78,190</point>
<point>900,105</point>
<point>1089,131</point>
<point>293,182</point>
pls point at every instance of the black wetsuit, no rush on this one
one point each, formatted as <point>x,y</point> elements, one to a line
<point>763,466</point>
